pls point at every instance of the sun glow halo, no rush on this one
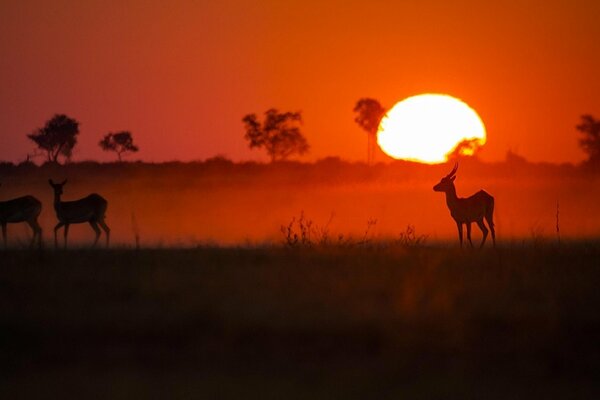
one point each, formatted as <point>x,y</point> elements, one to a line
<point>428,127</point>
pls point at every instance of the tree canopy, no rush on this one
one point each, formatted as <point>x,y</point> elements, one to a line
<point>120,143</point>
<point>590,142</point>
<point>57,137</point>
<point>279,134</point>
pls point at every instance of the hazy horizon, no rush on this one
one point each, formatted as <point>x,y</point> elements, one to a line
<point>226,203</point>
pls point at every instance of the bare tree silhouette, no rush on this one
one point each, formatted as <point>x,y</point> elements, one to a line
<point>279,134</point>
<point>468,210</point>
<point>369,113</point>
<point>120,142</point>
<point>590,142</point>
<point>22,209</point>
<point>90,209</point>
<point>57,138</point>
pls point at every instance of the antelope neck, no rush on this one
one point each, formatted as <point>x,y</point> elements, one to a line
<point>451,197</point>
<point>57,201</point>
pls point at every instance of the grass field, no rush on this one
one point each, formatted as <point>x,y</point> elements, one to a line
<point>522,321</point>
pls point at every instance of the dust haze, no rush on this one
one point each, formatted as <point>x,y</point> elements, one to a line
<point>217,202</point>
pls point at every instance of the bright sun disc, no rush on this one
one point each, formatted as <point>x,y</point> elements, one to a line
<point>428,127</point>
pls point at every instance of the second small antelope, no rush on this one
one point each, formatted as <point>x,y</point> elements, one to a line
<point>475,208</point>
<point>22,209</point>
<point>90,209</point>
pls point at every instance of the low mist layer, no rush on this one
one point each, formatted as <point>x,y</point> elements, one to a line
<point>219,202</point>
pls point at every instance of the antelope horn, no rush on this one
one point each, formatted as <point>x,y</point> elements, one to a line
<point>451,174</point>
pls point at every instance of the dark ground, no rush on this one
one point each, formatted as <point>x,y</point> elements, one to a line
<point>376,322</point>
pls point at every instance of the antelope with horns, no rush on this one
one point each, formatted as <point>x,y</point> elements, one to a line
<point>22,209</point>
<point>90,209</point>
<point>475,208</point>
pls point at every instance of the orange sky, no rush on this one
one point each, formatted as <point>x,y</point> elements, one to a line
<point>181,75</point>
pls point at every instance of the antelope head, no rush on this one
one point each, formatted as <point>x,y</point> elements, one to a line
<point>57,186</point>
<point>446,182</point>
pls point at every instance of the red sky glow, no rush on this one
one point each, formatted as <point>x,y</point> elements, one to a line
<point>180,75</point>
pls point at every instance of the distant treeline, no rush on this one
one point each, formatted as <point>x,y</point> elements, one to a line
<point>325,170</point>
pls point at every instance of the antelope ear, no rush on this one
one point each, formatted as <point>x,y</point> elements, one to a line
<point>50,182</point>
<point>65,181</point>
<point>453,178</point>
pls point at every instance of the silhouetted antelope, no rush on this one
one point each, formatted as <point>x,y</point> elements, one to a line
<point>90,209</point>
<point>468,210</point>
<point>22,209</point>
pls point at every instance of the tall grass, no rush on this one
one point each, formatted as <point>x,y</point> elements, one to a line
<point>319,322</point>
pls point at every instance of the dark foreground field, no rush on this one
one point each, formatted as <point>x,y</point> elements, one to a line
<point>426,322</point>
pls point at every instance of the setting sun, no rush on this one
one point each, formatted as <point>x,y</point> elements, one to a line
<point>427,127</point>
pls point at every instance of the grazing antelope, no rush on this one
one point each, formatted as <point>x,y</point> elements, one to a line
<point>22,209</point>
<point>90,209</point>
<point>468,210</point>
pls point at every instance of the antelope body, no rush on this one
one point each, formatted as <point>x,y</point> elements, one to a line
<point>22,209</point>
<point>90,209</point>
<point>465,211</point>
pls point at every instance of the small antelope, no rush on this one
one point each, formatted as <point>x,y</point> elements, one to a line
<point>90,209</point>
<point>468,210</point>
<point>22,209</point>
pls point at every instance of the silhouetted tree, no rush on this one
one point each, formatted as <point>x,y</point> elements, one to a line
<point>465,148</point>
<point>369,114</point>
<point>279,134</point>
<point>120,143</point>
<point>57,138</point>
<point>590,143</point>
